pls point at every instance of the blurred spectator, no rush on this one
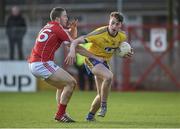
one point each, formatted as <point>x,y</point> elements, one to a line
<point>15,30</point>
<point>82,74</point>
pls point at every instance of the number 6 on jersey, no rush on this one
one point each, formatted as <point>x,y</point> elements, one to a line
<point>43,36</point>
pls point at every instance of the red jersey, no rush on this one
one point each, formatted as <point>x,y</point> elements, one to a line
<point>47,42</point>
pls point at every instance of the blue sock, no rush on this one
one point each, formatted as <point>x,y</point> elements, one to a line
<point>103,104</point>
<point>90,116</point>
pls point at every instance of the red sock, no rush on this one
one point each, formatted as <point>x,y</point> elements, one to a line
<point>61,110</point>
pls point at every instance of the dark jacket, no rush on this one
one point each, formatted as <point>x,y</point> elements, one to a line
<point>16,26</point>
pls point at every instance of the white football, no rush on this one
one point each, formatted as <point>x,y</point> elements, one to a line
<point>123,49</point>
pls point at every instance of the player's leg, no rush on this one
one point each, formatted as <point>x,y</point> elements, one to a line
<point>61,79</point>
<point>97,100</point>
<point>107,76</point>
<point>58,96</point>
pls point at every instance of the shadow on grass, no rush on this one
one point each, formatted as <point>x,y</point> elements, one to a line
<point>112,124</point>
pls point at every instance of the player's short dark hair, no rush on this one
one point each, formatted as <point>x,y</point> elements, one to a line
<point>117,15</point>
<point>56,12</point>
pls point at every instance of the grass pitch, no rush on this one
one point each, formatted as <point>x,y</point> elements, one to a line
<point>125,110</point>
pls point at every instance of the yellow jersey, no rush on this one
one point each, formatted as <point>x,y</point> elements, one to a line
<point>104,44</point>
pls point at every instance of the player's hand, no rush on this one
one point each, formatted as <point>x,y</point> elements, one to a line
<point>73,24</point>
<point>130,54</point>
<point>73,28</point>
<point>71,57</point>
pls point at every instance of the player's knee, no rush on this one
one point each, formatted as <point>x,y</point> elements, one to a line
<point>72,83</point>
<point>109,77</point>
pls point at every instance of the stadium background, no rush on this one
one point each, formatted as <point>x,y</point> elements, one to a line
<point>140,17</point>
<point>146,71</point>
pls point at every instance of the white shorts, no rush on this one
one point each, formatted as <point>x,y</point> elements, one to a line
<point>43,69</point>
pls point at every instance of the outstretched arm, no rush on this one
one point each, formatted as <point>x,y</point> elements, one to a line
<point>72,53</point>
<point>84,52</point>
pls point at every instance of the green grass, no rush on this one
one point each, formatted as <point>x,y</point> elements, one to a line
<point>125,110</point>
